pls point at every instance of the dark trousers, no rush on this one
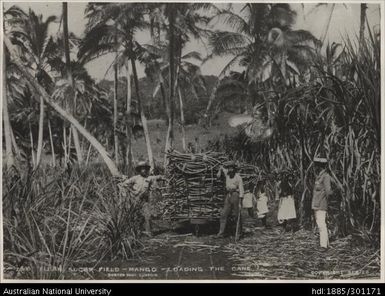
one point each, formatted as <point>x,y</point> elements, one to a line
<point>144,200</point>
<point>231,208</point>
<point>146,212</point>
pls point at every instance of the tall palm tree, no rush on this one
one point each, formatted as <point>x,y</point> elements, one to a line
<point>171,16</point>
<point>116,85</point>
<point>70,79</point>
<point>188,80</point>
<point>182,21</point>
<point>247,42</point>
<point>41,92</point>
<point>102,38</point>
<point>40,53</point>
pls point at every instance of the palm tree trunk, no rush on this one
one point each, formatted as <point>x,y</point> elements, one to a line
<point>163,96</point>
<point>70,79</point>
<point>63,113</point>
<point>142,116</point>
<point>129,119</point>
<point>76,139</point>
<point>40,136</point>
<point>9,157</point>
<point>115,119</point>
<point>52,145</point>
<point>182,119</point>
<point>213,95</point>
<point>170,129</point>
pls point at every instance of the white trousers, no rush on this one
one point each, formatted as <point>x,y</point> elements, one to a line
<point>320,218</point>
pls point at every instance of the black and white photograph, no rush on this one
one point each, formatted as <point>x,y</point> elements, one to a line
<point>192,141</point>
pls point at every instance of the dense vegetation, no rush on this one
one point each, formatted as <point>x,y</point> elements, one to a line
<point>319,99</point>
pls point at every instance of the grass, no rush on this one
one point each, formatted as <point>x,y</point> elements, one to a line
<point>56,221</point>
<point>196,134</point>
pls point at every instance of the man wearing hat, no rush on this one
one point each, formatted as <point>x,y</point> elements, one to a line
<point>234,195</point>
<point>321,192</point>
<point>139,187</point>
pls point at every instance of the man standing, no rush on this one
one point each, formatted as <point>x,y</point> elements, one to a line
<point>321,193</point>
<point>234,196</point>
<point>139,187</point>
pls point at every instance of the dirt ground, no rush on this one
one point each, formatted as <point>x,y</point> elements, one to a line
<point>261,254</point>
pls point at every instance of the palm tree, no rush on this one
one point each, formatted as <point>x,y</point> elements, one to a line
<point>188,77</point>
<point>70,79</point>
<point>171,16</point>
<point>85,94</point>
<point>182,21</point>
<point>233,91</point>
<point>247,43</point>
<point>291,52</point>
<point>40,53</point>
<point>41,92</point>
<point>102,38</point>
<point>9,156</point>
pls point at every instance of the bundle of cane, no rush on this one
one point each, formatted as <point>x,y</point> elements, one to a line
<point>194,189</point>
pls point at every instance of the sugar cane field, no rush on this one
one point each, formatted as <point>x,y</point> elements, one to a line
<point>191,141</point>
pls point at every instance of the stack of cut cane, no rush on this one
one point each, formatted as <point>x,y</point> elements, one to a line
<point>194,190</point>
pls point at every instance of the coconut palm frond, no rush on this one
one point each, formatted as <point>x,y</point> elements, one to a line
<point>205,7</point>
<point>234,20</point>
<point>99,41</point>
<point>223,43</point>
<point>193,55</point>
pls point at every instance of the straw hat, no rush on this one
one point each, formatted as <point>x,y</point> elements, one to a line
<point>142,164</point>
<point>230,164</point>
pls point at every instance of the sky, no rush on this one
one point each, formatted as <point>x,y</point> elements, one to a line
<point>344,22</point>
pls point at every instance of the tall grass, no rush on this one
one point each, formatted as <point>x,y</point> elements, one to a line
<point>57,221</point>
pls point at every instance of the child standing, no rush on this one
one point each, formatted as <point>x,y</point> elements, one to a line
<point>262,198</point>
<point>286,207</point>
<point>249,201</point>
